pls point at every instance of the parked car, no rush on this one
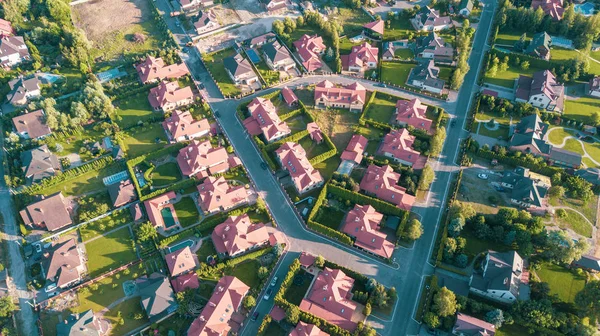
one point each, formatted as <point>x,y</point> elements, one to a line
<point>274,281</point>
<point>268,293</point>
<point>483,176</point>
<point>255,316</point>
<point>499,188</point>
<point>51,287</point>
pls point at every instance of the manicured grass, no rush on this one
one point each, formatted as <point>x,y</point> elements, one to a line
<point>581,108</point>
<point>239,176</point>
<point>274,329</point>
<point>574,146</point>
<point>561,281</point>
<point>475,245</point>
<point>328,167</point>
<point>396,72</point>
<point>312,148</point>
<point>330,217</point>
<point>588,163</point>
<point>75,142</point>
<point>399,29</point>
<point>346,45</point>
<point>214,63</point>
<point>563,54</point>
<point>502,131</point>
<point>382,108</point>
<point>271,77</point>
<point>206,249</point>
<point>352,20</point>
<point>404,53</point>
<point>512,330</point>
<point>593,150</point>
<point>588,209</point>
<point>129,309</point>
<point>509,38</point>
<point>296,292</point>
<point>507,78</point>
<point>109,252</point>
<point>175,323</point>
<point>485,115</point>
<point>134,109</point>
<point>89,182</point>
<point>109,290</point>
<point>95,228</point>
<point>575,222</point>
<point>186,211</point>
<point>146,139</point>
<point>247,272</point>
<point>556,135</point>
<point>166,174</point>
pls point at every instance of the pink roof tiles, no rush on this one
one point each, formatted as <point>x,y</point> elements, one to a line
<point>305,329</point>
<point>315,132</point>
<point>350,94</point>
<point>155,205</point>
<point>306,259</point>
<point>309,48</point>
<point>553,8</point>
<point>277,313</point>
<point>50,213</point>
<point>383,183</point>
<point>152,69</point>
<point>330,298</point>
<point>6,28</point>
<point>218,316</point>
<point>185,282</point>
<point>200,156</point>
<point>363,222</point>
<point>181,261</point>
<point>168,95</point>
<point>216,193</point>
<point>181,126</point>
<point>361,56</point>
<point>265,114</point>
<point>469,325</point>
<point>238,234</point>
<point>398,145</point>
<point>293,159</point>
<point>289,96</point>
<point>355,149</point>
<point>412,112</point>
<point>33,124</point>
<point>375,26</point>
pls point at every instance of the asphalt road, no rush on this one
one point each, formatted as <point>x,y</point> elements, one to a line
<point>412,264</point>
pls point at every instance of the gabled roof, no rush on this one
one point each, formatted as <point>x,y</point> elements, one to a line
<point>156,294</point>
<point>154,205</point>
<point>265,114</point>
<point>431,17</point>
<point>591,175</point>
<point>355,149</point>
<point>237,65</point>
<point>83,324</point>
<point>502,272</point>
<point>237,234</point>
<point>383,182</point>
<point>168,92</point>
<point>185,282</point>
<point>589,262</point>
<point>217,316</point>
<point>39,163</point>
<point>531,130</point>
<point>353,93</point>
<point>565,156</point>
<point>540,45</point>
<point>363,222</point>
<point>553,8</point>
<point>466,4</point>
<point>154,68</point>
<point>309,48</point>
<point>21,89</point>
<point>62,267</point>
<point>305,329</point>
<point>314,131</point>
<point>182,124</point>
<point>427,73</point>
<point>469,325</point>
<point>205,18</point>
<point>122,193</point>
<point>542,83</point>
<point>412,112</point>
<point>595,83</point>
<point>361,55</point>
<point>216,192</point>
<point>13,45</point>
<point>293,159</point>
<point>288,95</point>
<point>398,144</point>
<point>199,156</point>
<point>376,26</point>
<point>433,43</point>
<point>32,123</point>
<point>181,261</point>
<point>276,52</point>
<point>6,28</point>
<point>50,213</point>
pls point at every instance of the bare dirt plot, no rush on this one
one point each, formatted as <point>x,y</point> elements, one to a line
<point>225,15</point>
<point>111,24</point>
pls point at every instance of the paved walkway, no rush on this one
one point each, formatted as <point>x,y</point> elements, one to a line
<point>564,141</point>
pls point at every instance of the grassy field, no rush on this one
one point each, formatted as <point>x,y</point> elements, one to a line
<point>346,45</point>
<point>295,293</point>
<point>337,124</point>
<point>328,167</point>
<point>475,245</point>
<point>134,109</point>
<point>382,108</point>
<point>94,228</point>
<point>576,222</point>
<point>588,209</point>
<point>214,63</point>
<point>74,143</point>
<point>175,323</point>
<point>206,249</point>
<point>89,182</point>
<point>507,78</point>
<point>395,72</point>
<point>574,146</point>
<point>561,281</point>
<point>109,290</point>
<point>399,29</point>
<point>556,135</point>
<point>312,148</point>
<point>271,77</point>
<point>479,194</point>
<point>247,272</point>
<point>128,308</point>
<point>404,53</point>
<point>502,131</point>
<point>352,20</point>
<point>146,139</point>
<point>581,108</point>
<point>186,211</point>
<point>109,252</point>
<point>166,174</point>
<point>330,217</point>
<point>512,330</point>
<point>507,38</point>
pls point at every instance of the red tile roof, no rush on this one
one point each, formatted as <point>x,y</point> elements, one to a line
<point>363,223</point>
<point>6,28</point>
<point>412,112</point>
<point>305,329</point>
<point>361,55</point>
<point>383,183</point>
<point>155,205</point>
<point>289,96</point>
<point>215,193</point>
<point>155,69</point>
<point>184,282</point>
<point>470,325</point>
<point>216,317</point>
<point>398,145</point>
<point>349,94</point>
<point>199,156</point>
<point>238,234</point>
<point>376,26</point>
<point>309,48</point>
<point>277,313</point>
<point>64,264</point>
<point>168,93</point>
<point>293,159</point>
<point>315,132</point>
<point>265,114</point>
<point>252,126</point>
<point>122,193</point>
<point>32,123</point>
<point>50,213</point>
<point>181,261</point>
<point>306,259</point>
<point>355,149</point>
<point>182,126</point>
<point>553,8</point>
<point>329,298</point>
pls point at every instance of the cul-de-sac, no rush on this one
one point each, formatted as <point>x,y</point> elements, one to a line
<point>299,167</point>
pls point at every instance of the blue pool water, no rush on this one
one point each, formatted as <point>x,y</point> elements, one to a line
<point>181,245</point>
<point>586,9</point>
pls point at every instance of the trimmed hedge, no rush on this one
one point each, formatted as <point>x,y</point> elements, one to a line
<point>292,138</point>
<point>514,161</point>
<point>179,185</point>
<point>292,114</point>
<point>379,205</point>
<point>320,228</point>
<point>402,224</point>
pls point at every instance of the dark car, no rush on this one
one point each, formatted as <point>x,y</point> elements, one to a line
<point>263,165</point>
<point>254,316</point>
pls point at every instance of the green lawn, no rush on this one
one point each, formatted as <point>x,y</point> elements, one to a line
<point>186,211</point>
<point>507,78</point>
<point>74,143</point>
<point>346,45</point>
<point>561,281</point>
<point>109,252</point>
<point>557,134</point>
<point>395,72</point>
<point>206,249</point>
<point>502,131</point>
<point>575,221</point>
<point>382,108</point>
<point>475,245</point>
<point>328,167</point>
<point>296,292</point>
<point>109,290</point>
<point>274,329</point>
<point>128,308</point>
<point>404,53</point>
<point>312,148</point>
<point>271,77</point>
<point>446,72</point>
<point>96,228</point>
<point>166,174</point>
<point>574,146</point>
<point>214,63</point>
<point>142,140</point>
<point>175,323</point>
<point>351,20</point>
<point>247,272</point>
<point>581,108</point>
<point>588,209</point>
<point>134,109</point>
<point>89,182</point>
<point>485,115</point>
<point>399,29</point>
<point>512,330</point>
<point>507,38</point>
<point>330,217</point>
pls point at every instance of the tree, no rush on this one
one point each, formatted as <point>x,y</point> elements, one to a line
<point>249,302</point>
<point>495,317</point>
<point>329,54</point>
<point>263,272</point>
<point>437,141</point>
<point>289,24</point>
<point>371,285</point>
<point>432,320</point>
<point>146,231</point>
<point>427,176</point>
<point>444,302</point>
<point>277,250</point>
<point>524,65</point>
<point>588,299</point>
<point>367,309</point>
<point>319,261</point>
<point>462,209</point>
<point>455,226</point>
<point>7,306</point>
<point>278,27</point>
<point>414,230</point>
<point>292,314</point>
<point>579,188</point>
<point>595,118</point>
<point>557,191</point>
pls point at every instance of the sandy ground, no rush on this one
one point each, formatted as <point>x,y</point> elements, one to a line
<point>101,17</point>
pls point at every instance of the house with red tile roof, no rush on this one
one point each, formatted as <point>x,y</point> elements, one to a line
<point>306,259</point>
<point>64,264</point>
<point>220,315</point>
<point>412,112</point>
<point>330,298</point>
<point>469,325</point>
<point>6,28</point>
<point>185,282</point>
<point>305,329</point>
<point>200,158</point>
<point>383,183</point>
<point>309,49</point>
<point>363,223</point>
<point>552,8</point>
<point>154,69</point>
<point>374,29</point>
<point>181,126</point>
<point>215,195</point>
<point>397,145</point>
<point>181,261</point>
<point>155,206</point>
<point>32,125</point>
<point>355,149</point>
<point>264,114</point>
<point>50,213</point>
<point>168,96</point>
<point>274,5</point>
<point>351,96</point>
<point>314,131</point>
<point>289,97</point>
<point>361,58</point>
<point>292,158</point>
<point>121,193</point>
<point>237,235</point>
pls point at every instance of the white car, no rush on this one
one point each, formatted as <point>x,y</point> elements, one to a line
<point>483,176</point>
<point>38,247</point>
<point>50,287</point>
<point>274,281</point>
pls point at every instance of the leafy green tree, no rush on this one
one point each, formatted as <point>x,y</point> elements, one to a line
<point>7,306</point>
<point>319,261</point>
<point>495,317</point>
<point>431,320</point>
<point>414,230</point>
<point>427,176</point>
<point>249,302</point>
<point>455,226</point>
<point>444,302</point>
<point>292,314</point>
<point>263,272</point>
<point>367,309</point>
<point>588,299</point>
<point>146,231</point>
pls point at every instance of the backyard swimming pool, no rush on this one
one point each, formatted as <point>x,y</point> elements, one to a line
<point>167,215</point>
<point>181,245</point>
<point>586,9</point>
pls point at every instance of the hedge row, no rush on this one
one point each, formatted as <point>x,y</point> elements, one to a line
<point>320,228</point>
<point>402,224</point>
<point>446,219</point>
<point>379,205</point>
<point>134,91</point>
<point>322,157</point>
<point>514,161</point>
<point>264,325</point>
<point>292,114</point>
<point>287,281</point>
<point>179,185</point>
<point>156,154</point>
<point>292,138</point>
